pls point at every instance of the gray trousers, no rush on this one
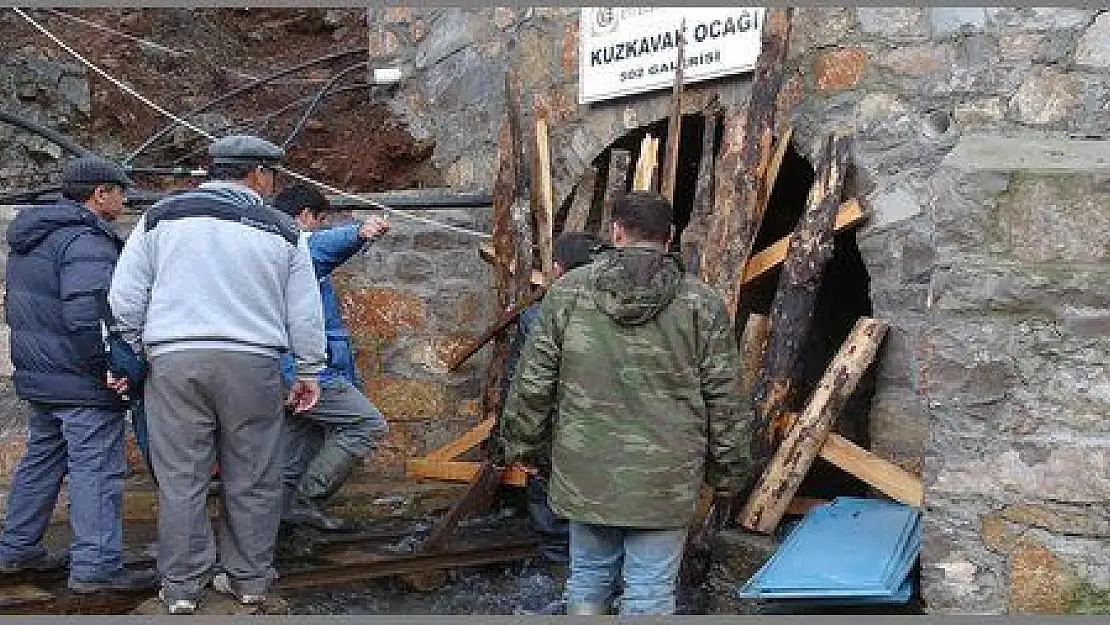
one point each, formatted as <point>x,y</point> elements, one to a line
<point>343,417</point>
<point>201,402</point>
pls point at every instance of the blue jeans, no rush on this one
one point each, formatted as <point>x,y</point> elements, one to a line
<point>648,558</point>
<point>88,444</point>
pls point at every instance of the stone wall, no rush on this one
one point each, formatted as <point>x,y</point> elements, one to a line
<point>979,140</point>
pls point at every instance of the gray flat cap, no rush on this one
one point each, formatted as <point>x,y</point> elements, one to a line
<point>244,149</point>
<point>94,170</point>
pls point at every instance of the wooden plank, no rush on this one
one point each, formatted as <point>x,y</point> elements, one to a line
<point>641,179</point>
<point>790,463</point>
<point>495,329</point>
<point>578,216</point>
<point>724,192</point>
<point>883,475</point>
<point>477,499</point>
<point>470,439</point>
<point>850,215</point>
<point>524,148</point>
<point>733,231</point>
<point>545,209</point>
<point>459,471</point>
<point>616,183</point>
<point>693,236</point>
<point>799,506</point>
<point>772,173</point>
<point>809,250</point>
<point>674,124</point>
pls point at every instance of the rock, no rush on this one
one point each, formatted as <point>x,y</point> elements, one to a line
<point>947,21</point>
<point>1046,97</point>
<point>980,112</point>
<point>1039,581</point>
<point>74,91</point>
<point>900,22</point>
<point>1056,219</point>
<point>919,60</point>
<point>1094,46</point>
<point>839,69</point>
<point>819,27</point>
<point>412,268</point>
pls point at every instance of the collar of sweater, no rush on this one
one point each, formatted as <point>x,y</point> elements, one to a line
<point>232,185</point>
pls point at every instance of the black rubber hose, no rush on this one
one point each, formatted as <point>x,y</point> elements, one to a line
<point>65,142</point>
<point>257,124</point>
<point>239,91</point>
<point>299,126</point>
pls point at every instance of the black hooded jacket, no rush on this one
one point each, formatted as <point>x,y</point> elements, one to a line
<point>59,270</point>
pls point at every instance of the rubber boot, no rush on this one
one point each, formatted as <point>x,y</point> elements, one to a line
<point>584,608</point>
<point>323,478</point>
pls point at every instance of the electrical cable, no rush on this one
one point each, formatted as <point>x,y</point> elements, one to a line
<point>316,100</point>
<point>191,126</point>
<point>151,140</point>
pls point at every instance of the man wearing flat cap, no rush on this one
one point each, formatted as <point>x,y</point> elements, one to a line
<point>58,273</point>
<point>215,286</point>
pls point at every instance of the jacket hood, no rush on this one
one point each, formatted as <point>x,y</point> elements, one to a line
<point>634,284</point>
<point>32,225</point>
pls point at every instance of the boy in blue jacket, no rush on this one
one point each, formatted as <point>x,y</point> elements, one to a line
<point>324,444</point>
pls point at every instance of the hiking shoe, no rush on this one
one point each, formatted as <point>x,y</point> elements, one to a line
<point>40,563</point>
<point>222,583</point>
<point>121,579</point>
<point>177,606</point>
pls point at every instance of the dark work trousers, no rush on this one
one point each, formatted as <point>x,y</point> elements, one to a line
<point>86,443</point>
<point>343,417</point>
<point>201,402</point>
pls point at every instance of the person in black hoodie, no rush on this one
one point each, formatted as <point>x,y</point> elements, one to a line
<point>59,269</point>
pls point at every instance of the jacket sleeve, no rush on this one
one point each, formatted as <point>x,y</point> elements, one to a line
<point>304,313</point>
<point>85,274</point>
<point>526,424</point>
<point>729,462</point>
<point>332,247</point>
<point>131,284</point>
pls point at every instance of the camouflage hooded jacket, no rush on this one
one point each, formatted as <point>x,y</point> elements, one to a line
<point>628,381</point>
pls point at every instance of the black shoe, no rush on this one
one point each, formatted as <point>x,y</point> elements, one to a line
<point>121,579</point>
<point>304,511</point>
<point>42,563</point>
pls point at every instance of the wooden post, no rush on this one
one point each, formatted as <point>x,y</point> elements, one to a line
<point>616,182</point>
<point>733,231</point>
<point>545,208</point>
<point>810,248</point>
<point>522,201</point>
<point>578,215</point>
<point>850,215</point>
<point>753,347</point>
<point>674,124</point>
<point>792,460</point>
<point>693,236</point>
<point>645,164</point>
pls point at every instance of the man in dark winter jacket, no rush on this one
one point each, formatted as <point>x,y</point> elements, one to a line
<point>628,384</point>
<point>324,444</point>
<point>58,273</point>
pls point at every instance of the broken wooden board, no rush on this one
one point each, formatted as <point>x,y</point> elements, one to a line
<point>850,215</point>
<point>693,236</point>
<point>790,463</point>
<point>459,471</point>
<point>646,164</point>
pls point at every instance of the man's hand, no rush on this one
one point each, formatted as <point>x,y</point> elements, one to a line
<point>304,394</point>
<point>118,385</point>
<point>373,226</point>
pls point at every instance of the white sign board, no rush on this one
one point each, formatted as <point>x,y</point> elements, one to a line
<point>633,50</point>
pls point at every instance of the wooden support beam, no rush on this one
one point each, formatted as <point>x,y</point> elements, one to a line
<point>495,329</point>
<point>724,194</point>
<point>810,248</point>
<point>616,183</point>
<point>850,215</point>
<point>645,164</point>
<point>733,230</point>
<point>469,440</point>
<point>693,236</point>
<point>578,215</point>
<point>883,475</point>
<point>674,124</point>
<point>790,463</point>
<point>545,207</point>
<point>782,144</point>
<point>459,471</point>
<point>753,347</point>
